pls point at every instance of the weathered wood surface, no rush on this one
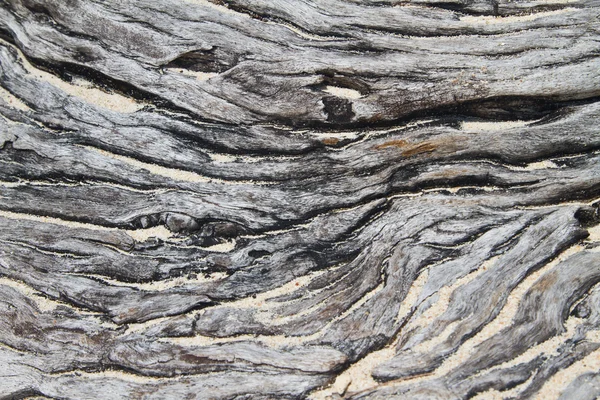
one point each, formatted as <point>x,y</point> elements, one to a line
<point>284,199</point>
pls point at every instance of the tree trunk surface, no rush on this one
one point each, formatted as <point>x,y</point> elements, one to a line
<point>289,199</point>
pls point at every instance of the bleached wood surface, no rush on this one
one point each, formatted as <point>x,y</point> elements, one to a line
<point>280,199</point>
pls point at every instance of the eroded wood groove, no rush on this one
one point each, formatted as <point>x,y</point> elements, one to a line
<point>288,199</point>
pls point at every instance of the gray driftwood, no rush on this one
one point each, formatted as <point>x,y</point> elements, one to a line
<point>288,173</point>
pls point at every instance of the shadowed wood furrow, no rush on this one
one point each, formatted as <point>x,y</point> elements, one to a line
<point>291,199</point>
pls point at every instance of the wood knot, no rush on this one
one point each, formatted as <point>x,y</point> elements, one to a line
<point>338,110</point>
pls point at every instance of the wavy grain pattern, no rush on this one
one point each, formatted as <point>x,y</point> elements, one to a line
<point>250,199</point>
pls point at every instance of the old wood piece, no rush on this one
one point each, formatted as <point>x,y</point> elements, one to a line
<point>278,199</point>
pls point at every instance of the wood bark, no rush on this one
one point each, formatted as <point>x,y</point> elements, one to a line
<point>251,199</point>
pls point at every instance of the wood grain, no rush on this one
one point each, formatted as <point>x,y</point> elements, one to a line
<point>258,199</point>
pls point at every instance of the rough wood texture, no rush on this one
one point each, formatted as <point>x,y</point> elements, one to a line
<point>288,199</point>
